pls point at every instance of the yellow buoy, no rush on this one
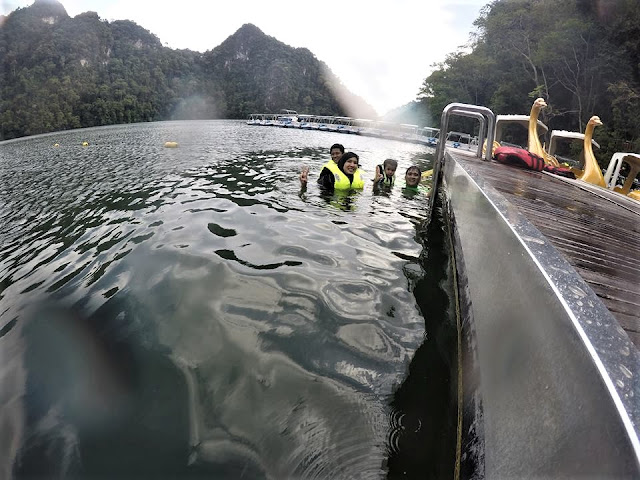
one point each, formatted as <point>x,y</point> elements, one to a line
<point>56,144</point>
<point>85,144</point>
<point>171,144</point>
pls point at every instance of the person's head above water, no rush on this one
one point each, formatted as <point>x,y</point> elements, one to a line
<point>412,177</point>
<point>390,166</point>
<point>336,151</point>
<point>348,163</point>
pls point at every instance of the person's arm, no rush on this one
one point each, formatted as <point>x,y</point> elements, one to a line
<point>304,176</point>
<point>376,188</point>
<point>378,176</point>
<point>326,179</point>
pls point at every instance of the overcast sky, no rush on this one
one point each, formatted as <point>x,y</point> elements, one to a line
<point>381,50</point>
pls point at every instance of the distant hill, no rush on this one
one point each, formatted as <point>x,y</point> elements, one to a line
<point>258,73</point>
<point>412,113</point>
<point>58,72</point>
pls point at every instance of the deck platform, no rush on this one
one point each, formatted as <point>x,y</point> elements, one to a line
<point>597,231</point>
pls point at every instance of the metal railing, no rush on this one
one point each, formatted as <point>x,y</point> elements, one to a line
<point>487,131</point>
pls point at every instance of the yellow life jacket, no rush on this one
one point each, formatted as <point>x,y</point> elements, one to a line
<point>342,181</point>
<point>328,165</point>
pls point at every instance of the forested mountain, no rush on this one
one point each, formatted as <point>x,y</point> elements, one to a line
<point>257,73</point>
<point>581,56</point>
<point>58,72</point>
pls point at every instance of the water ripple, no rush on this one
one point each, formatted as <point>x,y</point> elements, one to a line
<point>349,298</point>
<point>292,310</point>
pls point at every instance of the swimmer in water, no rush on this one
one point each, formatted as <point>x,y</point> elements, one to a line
<point>346,175</point>
<point>412,181</point>
<point>336,151</point>
<point>412,177</point>
<point>385,173</point>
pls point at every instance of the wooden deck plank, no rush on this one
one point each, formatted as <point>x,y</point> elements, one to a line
<point>617,288</point>
<point>599,238</point>
<point>634,336</point>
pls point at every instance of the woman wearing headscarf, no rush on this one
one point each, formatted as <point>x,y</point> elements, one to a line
<point>345,175</point>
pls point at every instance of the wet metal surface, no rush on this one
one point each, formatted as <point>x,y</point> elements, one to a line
<point>599,238</point>
<point>546,343</point>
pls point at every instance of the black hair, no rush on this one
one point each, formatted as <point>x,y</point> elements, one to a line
<point>338,146</point>
<point>414,167</point>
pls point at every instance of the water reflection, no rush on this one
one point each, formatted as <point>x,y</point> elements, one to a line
<point>206,318</point>
<point>422,438</point>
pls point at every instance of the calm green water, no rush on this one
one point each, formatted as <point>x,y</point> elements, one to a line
<point>188,312</point>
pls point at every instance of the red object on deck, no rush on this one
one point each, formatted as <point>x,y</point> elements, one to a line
<point>518,157</point>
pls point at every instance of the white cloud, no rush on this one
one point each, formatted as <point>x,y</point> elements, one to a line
<point>381,50</point>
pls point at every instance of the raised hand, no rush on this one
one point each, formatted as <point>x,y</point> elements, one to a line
<point>304,175</point>
<point>378,174</point>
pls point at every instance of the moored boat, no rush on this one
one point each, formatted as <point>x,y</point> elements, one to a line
<point>345,125</point>
<point>428,136</point>
<point>407,133</point>
<point>512,130</point>
<point>356,126</point>
<point>305,121</point>
<point>560,146</point>
<point>325,123</point>
<point>612,174</point>
<point>255,119</point>
<point>460,140</point>
<point>269,120</point>
<point>288,119</point>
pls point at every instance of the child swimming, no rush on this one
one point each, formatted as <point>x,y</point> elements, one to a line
<point>385,173</point>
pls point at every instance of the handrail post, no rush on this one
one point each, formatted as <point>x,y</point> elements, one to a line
<point>483,125</point>
<point>487,121</point>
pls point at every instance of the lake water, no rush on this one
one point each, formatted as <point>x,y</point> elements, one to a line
<point>189,313</point>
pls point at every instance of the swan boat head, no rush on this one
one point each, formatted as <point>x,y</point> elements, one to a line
<point>592,172</point>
